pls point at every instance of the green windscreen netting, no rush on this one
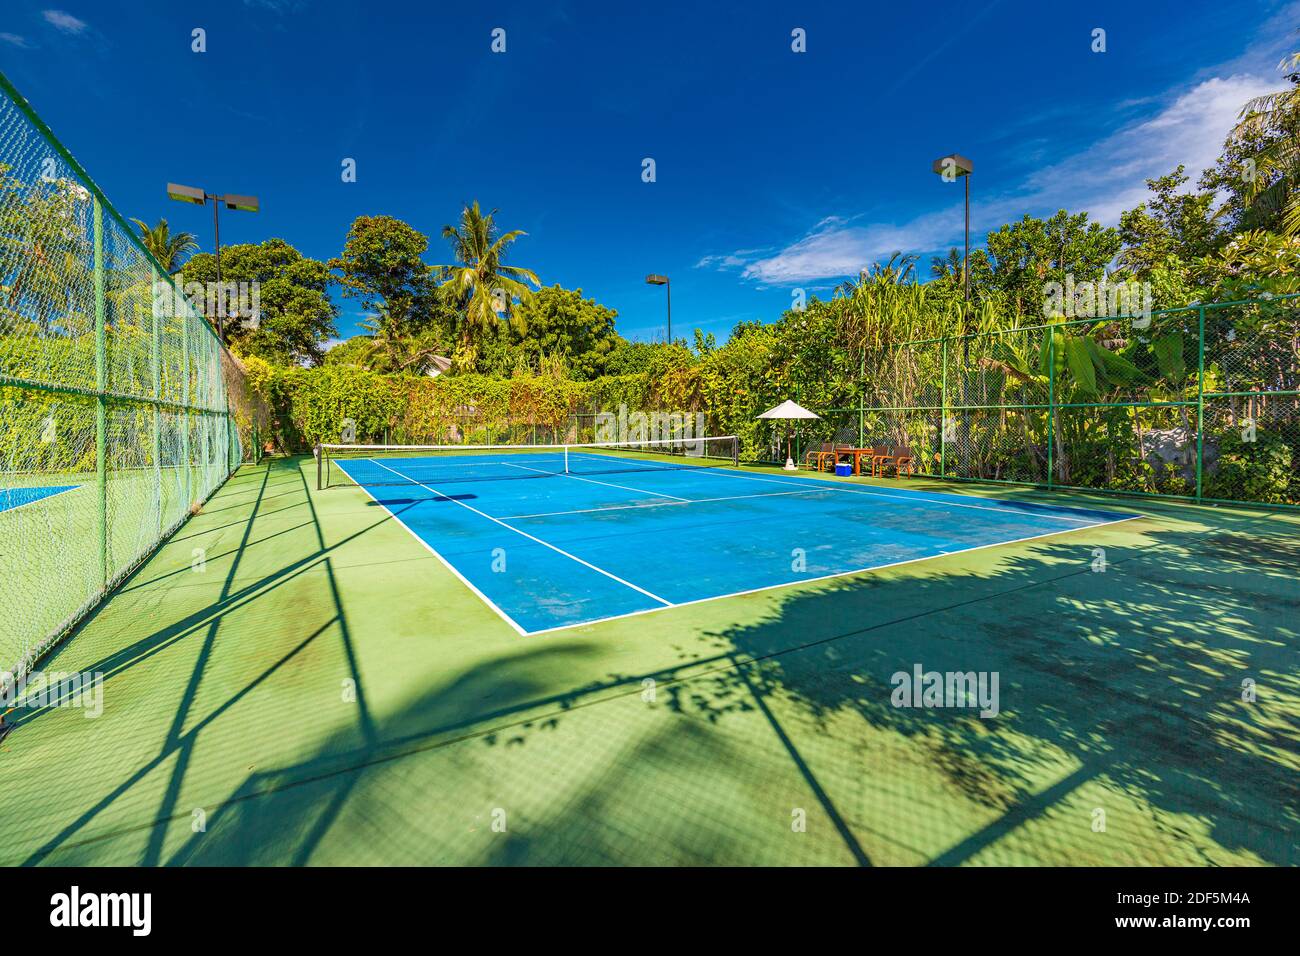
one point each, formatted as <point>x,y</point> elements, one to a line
<point>115,413</point>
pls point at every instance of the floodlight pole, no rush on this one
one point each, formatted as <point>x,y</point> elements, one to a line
<point>655,279</point>
<point>193,194</point>
<point>955,165</point>
<point>668,291</point>
<point>966,247</point>
<point>216,234</point>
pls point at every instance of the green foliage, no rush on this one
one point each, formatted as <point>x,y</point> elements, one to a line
<point>296,312</point>
<point>560,322</point>
<point>1024,256</point>
<point>44,249</point>
<point>1253,263</point>
<point>479,283</point>
<point>314,404</point>
<point>409,322</point>
<point>1172,224</point>
<point>382,266</point>
<point>1262,470</point>
<point>1168,349</point>
<point>1263,173</point>
<point>169,249</point>
<point>353,351</point>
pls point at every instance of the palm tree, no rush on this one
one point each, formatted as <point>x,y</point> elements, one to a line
<point>947,267</point>
<point>1274,187</point>
<point>171,251</point>
<point>480,279</point>
<point>393,347</point>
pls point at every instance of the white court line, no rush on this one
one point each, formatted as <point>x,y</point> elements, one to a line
<point>834,486</point>
<point>819,486</point>
<point>659,504</point>
<point>607,484</point>
<point>546,544</point>
<point>37,501</point>
<point>445,563</point>
<point>826,577</point>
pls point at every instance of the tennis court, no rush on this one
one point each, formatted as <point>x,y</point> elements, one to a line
<point>17,497</point>
<point>564,535</point>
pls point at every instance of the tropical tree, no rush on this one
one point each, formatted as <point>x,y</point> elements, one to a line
<point>408,321</point>
<point>1025,256</point>
<point>295,316</point>
<point>1173,223</point>
<point>1268,176</point>
<point>170,250</point>
<point>393,346</point>
<point>43,251</point>
<point>560,322</point>
<point>480,283</point>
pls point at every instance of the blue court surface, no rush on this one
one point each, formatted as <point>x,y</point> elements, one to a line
<point>546,548</point>
<point>17,497</point>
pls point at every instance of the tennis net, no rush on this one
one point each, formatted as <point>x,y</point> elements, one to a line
<point>435,465</point>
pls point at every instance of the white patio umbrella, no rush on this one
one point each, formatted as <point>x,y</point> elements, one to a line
<point>789,411</point>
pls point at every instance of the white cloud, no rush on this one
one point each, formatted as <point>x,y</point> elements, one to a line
<point>15,40</point>
<point>1104,178</point>
<point>837,247</point>
<point>730,261</point>
<point>64,22</point>
<point>1109,177</point>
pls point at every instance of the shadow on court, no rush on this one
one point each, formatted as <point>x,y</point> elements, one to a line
<point>325,693</point>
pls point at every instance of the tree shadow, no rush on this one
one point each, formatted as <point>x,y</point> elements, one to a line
<point>1121,688</point>
<point>1132,675</point>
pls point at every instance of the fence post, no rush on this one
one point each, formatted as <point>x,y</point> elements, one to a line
<point>862,375</point>
<point>943,408</point>
<point>1200,398</point>
<point>1051,406</point>
<point>185,404</point>
<point>155,357</point>
<point>101,400</point>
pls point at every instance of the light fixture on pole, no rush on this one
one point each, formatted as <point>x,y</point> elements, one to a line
<point>198,197</point>
<point>663,281</point>
<point>950,167</point>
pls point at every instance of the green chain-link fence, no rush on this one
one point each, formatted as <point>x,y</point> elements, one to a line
<point>1201,403</point>
<point>114,416</point>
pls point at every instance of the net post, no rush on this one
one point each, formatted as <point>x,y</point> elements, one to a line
<point>566,459</point>
<point>735,452</point>
<point>320,455</point>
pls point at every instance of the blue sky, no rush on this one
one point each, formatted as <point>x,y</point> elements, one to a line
<point>775,170</point>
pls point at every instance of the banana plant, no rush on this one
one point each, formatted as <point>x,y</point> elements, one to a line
<point>1084,368</point>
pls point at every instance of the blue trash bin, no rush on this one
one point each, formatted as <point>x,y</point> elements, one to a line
<point>843,469</point>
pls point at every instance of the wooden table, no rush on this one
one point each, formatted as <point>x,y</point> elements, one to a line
<point>858,454</point>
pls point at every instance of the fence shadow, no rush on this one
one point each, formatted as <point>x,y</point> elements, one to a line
<point>1120,690</point>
